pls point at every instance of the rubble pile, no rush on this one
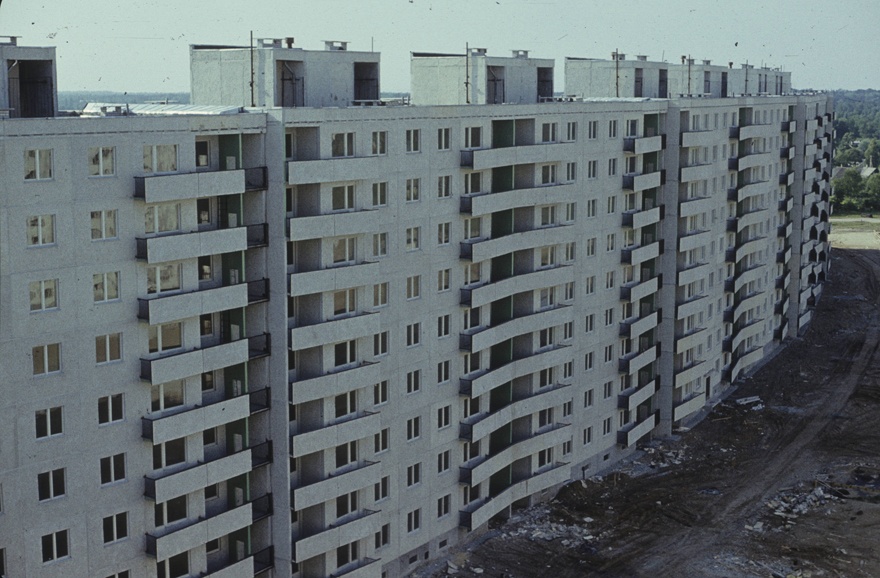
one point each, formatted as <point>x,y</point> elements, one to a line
<point>536,525</point>
<point>792,503</point>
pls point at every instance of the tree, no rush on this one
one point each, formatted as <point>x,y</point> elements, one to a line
<point>872,188</point>
<point>847,156</point>
<point>872,153</point>
<point>848,187</point>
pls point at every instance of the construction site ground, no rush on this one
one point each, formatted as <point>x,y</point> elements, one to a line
<point>780,479</point>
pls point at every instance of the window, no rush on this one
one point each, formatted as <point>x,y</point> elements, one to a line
<point>101,162</point>
<point>165,337</point>
<point>413,238</point>
<point>413,474</point>
<point>609,317</point>
<point>48,422</point>
<point>414,287</point>
<point>345,353</point>
<point>342,144</point>
<point>166,396</point>
<point>548,257</point>
<point>50,484</point>
<point>212,546</point>
<point>380,294</point>
<point>571,131</point>
<point>379,140</point>
<point>380,489</point>
<point>472,227</point>
<point>380,344</point>
<point>443,416</point>
<point>37,164</point>
<point>612,204</point>
<point>105,286</point>
<point>380,441</point>
<point>472,274</point>
<point>345,404</point>
<point>568,330</point>
<point>548,215</point>
<point>174,567</point>
<point>442,139</point>
<point>162,278</point>
<point>413,334</point>
<point>414,520</point>
<point>632,127</point>
<point>202,154</point>
<point>569,252</point>
<point>169,454</point>
<point>473,183</point>
<point>443,280</point>
<point>588,398</point>
<point>346,554</point>
<point>588,435</point>
<point>606,426</point>
<point>609,279</point>
<point>592,169</point>
<point>108,348</point>
<point>591,208</point>
<point>346,504</point>
<point>612,167</point>
<point>588,361</point>
<point>607,389</point>
<point>112,469</point>
<point>548,174</point>
<point>383,536</point>
<point>609,353</point>
<point>161,218</point>
<point>54,546</point>
<point>443,372</point>
<point>473,137</point>
<point>160,158</point>
<point>612,129</point>
<point>110,408</point>
<point>570,172</point>
<point>588,323</point>
<point>443,462</point>
<point>412,140</point>
<point>590,247</point>
<point>471,362</point>
<point>590,285</point>
<point>443,187</point>
<point>545,457</point>
<point>412,190</point>
<point>413,381</point>
<point>43,294</point>
<point>380,393</point>
<point>344,250</point>
<point>443,233</point>
<point>342,198</point>
<point>380,244</point>
<point>116,527</point>
<point>443,505</point>
<point>567,369</point>
<point>41,230</point>
<point>413,428</point>
<point>346,454</point>
<point>593,129</point>
<point>380,194</point>
<point>443,326</point>
<point>46,358</point>
<point>548,132</point>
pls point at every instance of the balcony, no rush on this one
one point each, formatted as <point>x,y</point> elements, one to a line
<point>520,155</point>
<point>487,203</point>
<point>350,480</point>
<point>477,516</point>
<point>482,383</point>
<point>788,126</point>
<point>482,468</point>
<point>644,145</point>
<point>363,525</point>
<point>695,206</point>
<point>746,161</point>
<point>632,433</point>
<point>335,224</point>
<point>644,218</point>
<point>177,246</point>
<point>786,152</point>
<point>690,406</point>
<point>689,339</point>
<point>641,182</point>
<point>638,255</point>
<point>694,240</point>
<point>697,172</point>
<point>781,307</point>
<point>199,532</point>
<point>699,138</point>
<point>243,567</point>
<point>484,338</point>
<point>335,382</point>
<point>172,307</point>
<point>334,330</point>
<point>198,185</point>
<point>783,281</point>
<point>786,179</point>
<point>479,426</point>
<point>633,397</point>
<point>636,291</point>
<point>337,170</point>
<point>633,328</point>
<point>693,272</point>
<point>196,419</point>
<point>534,280</point>
<point>335,434</point>
<point>784,231</point>
<point>194,477</point>
<point>633,362</point>
<point>688,373</point>
<point>786,204</point>
<point>181,364</point>
<point>332,279</point>
<point>783,256</point>
<point>363,568</point>
<point>484,249</point>
<point>742,192</point>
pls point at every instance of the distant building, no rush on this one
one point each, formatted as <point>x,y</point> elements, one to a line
<point>328,335</point>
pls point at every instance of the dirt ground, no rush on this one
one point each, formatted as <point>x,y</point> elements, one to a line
<point>787,485</point>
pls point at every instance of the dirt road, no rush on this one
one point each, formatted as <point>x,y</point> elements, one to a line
<point>786,487</point>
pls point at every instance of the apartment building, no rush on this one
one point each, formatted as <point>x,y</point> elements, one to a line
<point>335,335</point>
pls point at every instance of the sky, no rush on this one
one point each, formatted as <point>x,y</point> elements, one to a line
<point>126,46</point>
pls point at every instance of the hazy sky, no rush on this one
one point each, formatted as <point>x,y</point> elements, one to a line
<point>113,45</point>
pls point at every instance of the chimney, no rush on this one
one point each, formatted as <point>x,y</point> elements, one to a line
<point>707,62</point>
<point>642,57</point>
<point>520,53</point>
<point>289,41</point>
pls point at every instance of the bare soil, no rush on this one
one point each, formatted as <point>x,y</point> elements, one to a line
<point>788,486</point>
